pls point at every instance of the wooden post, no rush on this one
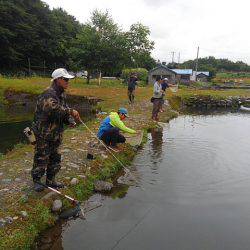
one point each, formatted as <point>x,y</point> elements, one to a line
<point>100,76</point>
<point>29,66</point>
<point>44,68</point>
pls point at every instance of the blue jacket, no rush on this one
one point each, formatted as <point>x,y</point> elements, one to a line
<point>113,120</point>
<point>105,126</point>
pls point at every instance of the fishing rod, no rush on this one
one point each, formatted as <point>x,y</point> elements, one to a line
<point>107,148</point>
<point>73,212</point>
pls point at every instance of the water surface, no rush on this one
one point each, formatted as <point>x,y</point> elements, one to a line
<point>14,119</point>
<point>193,193</point>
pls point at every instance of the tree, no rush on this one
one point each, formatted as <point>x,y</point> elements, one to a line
<point>214,65</point>
<point>29,29</point>
<point>99,46</point>
<point>139,46</point>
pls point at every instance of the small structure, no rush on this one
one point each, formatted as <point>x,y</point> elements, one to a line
<point>162,71</point>
<point>201,76</point>
<point>183,75</point>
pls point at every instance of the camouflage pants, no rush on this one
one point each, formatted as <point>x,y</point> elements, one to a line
<point>46,158</point>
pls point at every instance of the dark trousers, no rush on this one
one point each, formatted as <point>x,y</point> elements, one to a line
<point>131,95</point>
<point>112,137</point>
<point>47,158</point>
<point>157,104</point>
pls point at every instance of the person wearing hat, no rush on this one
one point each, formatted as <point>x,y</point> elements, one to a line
<point>109,131</point>
<point>51,114</point>
<point>164,85</point>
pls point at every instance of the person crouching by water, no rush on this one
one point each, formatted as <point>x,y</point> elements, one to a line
<point>51,114</point>
<point>109,131</point>
<point>157,98</point>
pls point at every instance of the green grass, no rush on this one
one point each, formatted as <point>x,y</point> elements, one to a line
<point>233,75</point>
<point>238,78</point>
<point>22,237</point>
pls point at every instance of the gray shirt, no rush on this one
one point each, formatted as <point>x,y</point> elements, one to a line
<point>157,90</point>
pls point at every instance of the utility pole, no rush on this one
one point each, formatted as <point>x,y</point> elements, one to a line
<point>172,56</point>
<point>179,56</point>
<point>196,65</point>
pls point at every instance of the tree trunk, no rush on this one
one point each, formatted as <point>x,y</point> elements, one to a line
<point>88,78</point>
<point>99,79</point>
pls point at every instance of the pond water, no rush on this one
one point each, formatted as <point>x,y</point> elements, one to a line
<point>13,120</point>
<point>193,193</point>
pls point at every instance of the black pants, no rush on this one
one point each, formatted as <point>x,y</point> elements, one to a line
<point>112,137</point>
<point>131,95</point>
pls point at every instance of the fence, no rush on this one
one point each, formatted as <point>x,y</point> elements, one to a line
<point>42,70</point>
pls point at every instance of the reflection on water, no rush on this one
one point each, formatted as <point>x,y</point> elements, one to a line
<point>193,194</point>
<point>156,142</point>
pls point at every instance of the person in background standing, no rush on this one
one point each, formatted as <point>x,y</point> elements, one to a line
<point>157,96</point>
<point>165,84</point>
<point>131,88</point>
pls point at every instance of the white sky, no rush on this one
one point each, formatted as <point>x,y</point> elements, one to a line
<point>219,27</point>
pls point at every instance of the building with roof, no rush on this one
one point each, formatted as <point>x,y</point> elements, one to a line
<point>183,75</point>
<point>201,76</point>
<point>162,71</point>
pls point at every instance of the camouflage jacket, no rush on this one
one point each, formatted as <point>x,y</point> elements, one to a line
<point>51,114</point>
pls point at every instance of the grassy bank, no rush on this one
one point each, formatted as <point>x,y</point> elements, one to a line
<point>185,95</point>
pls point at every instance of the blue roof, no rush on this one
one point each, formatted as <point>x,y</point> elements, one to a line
<point>183,71</point>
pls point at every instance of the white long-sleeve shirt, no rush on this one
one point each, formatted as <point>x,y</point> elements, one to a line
<point>157,90</point>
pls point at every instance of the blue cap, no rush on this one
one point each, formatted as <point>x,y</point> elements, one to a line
<point>123,111</point>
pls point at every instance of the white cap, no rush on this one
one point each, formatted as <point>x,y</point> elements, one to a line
<point>61,72</point>
<point>165,79</point>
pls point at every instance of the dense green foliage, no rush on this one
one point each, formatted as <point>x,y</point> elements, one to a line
<point>101,46</point>
<point>29,30</point>
<point>214,65</point>
<point>141,73</point>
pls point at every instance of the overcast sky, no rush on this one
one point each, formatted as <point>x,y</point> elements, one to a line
<point>219,27</point>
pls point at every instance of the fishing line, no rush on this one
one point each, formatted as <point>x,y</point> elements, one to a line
<point>107,148</point>
<point>133,227</point>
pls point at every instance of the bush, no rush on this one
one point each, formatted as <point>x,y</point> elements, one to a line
<point>142,74</point>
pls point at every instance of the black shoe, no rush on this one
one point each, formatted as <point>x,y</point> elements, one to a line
<point>37,186</point>
<point>54,184</point>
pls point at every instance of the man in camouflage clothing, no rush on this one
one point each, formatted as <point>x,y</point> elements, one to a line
<point>51,114</point>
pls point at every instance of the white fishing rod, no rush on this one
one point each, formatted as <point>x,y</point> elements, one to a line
<point>108,149</point>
